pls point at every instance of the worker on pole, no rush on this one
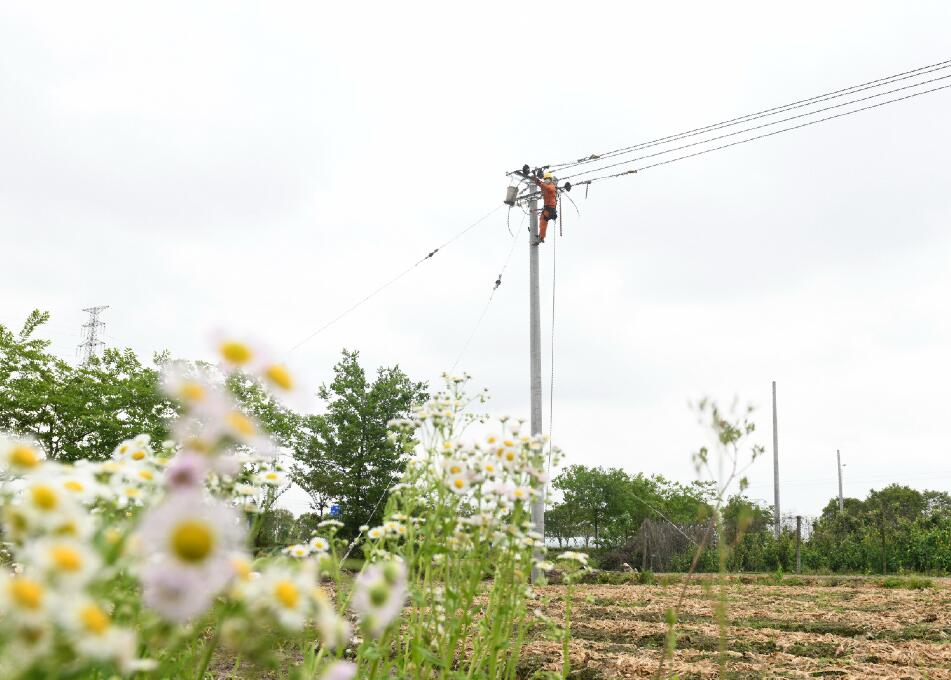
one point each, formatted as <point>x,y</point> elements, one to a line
<point>549,189</point>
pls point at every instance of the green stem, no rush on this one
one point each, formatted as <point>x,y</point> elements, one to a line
<point>210,647</point>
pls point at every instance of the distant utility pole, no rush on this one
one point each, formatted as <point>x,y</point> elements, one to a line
<point>92,330</point>
<point>776,519</point>
<point>838,460</point>
<point>535,354</point>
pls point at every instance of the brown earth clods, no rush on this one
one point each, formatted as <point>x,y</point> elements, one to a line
<point>854,630</point>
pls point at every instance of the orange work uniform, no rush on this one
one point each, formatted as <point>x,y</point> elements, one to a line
<point>549,212</point>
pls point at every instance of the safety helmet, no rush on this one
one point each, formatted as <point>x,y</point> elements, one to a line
<point>548,175</point>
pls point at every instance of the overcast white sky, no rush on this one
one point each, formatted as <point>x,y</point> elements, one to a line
<point>261,166</point>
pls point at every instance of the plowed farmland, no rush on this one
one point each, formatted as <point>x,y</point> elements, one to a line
<point>793,628</point>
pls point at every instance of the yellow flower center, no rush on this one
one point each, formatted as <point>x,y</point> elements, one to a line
<point>280,376</point>
<point>193,391</point>
<point>192,541</point>
<point>44,497</point>
<point>66,558</point>
<point>28,594</point>
<point>146,474</point>
<point>271,476</point>
<point>510,456</point>
<point>242,568</point>
<point>123,448</point>
<point>287,594</point>
<point>138,455</point>
<point>458,483</point>
<point>94,619</point>
<point>24,457</point>
<point>73,485</point>
<point>455,469</point>
<point>235,352</point>
<point>241,423</point>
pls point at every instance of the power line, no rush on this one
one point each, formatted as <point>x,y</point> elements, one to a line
<point>396,278</point>
<point>762,136</point>
<point>759,114</point>
<point>485,309</point>
<point>755,127</point>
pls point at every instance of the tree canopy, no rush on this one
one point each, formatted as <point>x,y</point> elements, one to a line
<point>346,454</point>
<point>79,411</point>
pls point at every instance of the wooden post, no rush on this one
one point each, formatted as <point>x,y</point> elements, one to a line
<point>798,542</point>
<point>644,546</point>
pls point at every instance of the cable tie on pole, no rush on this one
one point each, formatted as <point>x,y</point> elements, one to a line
<point>431,254</point>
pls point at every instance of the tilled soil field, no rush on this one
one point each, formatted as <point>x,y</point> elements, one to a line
<point>819,627</point>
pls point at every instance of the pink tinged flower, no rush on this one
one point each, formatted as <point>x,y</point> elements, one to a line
<point>193,539</point>
<point>340,670</point>
<point>176,594</point>
<point>379,595</point>
<point>186,472</point>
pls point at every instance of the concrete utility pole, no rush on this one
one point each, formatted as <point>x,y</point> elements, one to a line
<point>776,520</point>
<point>535,352</point>
<point>838,460</point>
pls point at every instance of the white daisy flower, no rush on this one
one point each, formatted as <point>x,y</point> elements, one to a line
<point>23,597</point>
<point>458,484</point>
<point>298,550</point>
<point>283,593</point>
<point>379,594</point>
<point>340,670</point>
<point>188,535</point>
<point>319,544</point>
<point>270,478</point>
<point>19,456</point>
<point>520,494</point>
<point>64,561</point>
<point>188,385</point>
<point>572,556</point>
<point>90,624</point>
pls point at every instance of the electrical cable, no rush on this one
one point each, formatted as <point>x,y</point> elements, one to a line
<point>762,136</point>
<point>760,114</point>
<point>485,309</point>
<point>751,129</point>
<point>396,278</point>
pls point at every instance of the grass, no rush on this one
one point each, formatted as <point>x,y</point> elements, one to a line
<point>907,582</point>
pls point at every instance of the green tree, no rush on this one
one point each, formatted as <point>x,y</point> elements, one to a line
<point>77,411</point>
<point>346,454</point>
<point>598,497</point>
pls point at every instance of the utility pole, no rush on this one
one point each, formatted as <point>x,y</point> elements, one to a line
<point>535,352</point>
<point>838,460</point>
<point>776,520</point>
<point>91,331</point>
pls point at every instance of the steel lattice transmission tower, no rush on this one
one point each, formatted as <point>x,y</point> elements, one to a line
<point>92,330</point>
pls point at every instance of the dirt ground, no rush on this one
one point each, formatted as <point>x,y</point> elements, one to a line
<point>796,628</point>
